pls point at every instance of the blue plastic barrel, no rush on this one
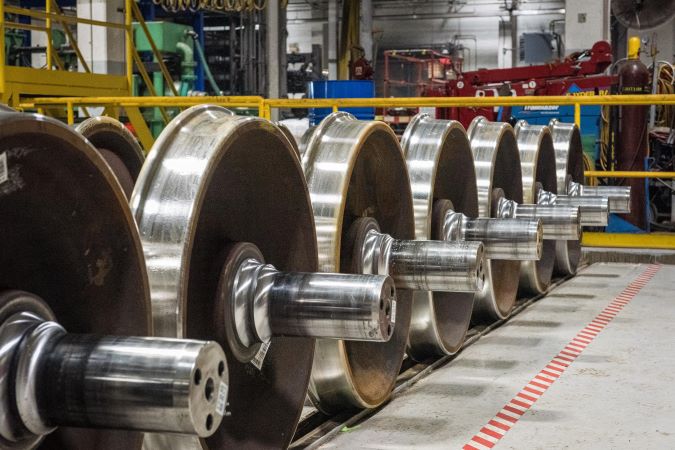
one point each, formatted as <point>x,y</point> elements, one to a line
<point>341,89</point>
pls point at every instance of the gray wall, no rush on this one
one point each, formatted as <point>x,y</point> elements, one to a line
<point>665,41</point>
<point>413,24</point>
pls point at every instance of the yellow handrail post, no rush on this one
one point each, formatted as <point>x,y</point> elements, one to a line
<point>48,27</point>
<point>261,108</point>
<point>335,108</point>
<point>128,44</point>
<point>70,113</point>
<point>577,114</point>
<point>60,18</point>
<point>627,174</point>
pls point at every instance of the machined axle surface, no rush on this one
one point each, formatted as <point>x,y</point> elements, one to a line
<point>54,378</point>
<point>593,211</point>
<point>618,196</point>
<point>425,265</point>
<point>559,222</point>
<point>507,239</point>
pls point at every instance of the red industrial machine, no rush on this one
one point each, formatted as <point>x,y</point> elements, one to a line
<point>583,69</point>
<point>622,132</point>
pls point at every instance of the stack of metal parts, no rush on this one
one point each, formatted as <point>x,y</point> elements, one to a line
<point>259,271</point>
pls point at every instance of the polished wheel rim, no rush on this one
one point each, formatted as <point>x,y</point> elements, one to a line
<point>213,180</point>
<point>355,169</point>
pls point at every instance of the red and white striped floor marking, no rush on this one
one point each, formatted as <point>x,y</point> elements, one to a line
<point>506,418</point>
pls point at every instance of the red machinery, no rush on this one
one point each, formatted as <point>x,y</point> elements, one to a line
<point>582,69</point>
<point>578,74</point>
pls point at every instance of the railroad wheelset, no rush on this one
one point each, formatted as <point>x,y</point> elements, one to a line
<point>243,277</point>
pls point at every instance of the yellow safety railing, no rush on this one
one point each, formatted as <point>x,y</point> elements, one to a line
<point>412,102</point>
<point>70,103</point>
<point>627,174</point>
<point>265,106</point>
<point>132,105</point>
<point>53,15</point>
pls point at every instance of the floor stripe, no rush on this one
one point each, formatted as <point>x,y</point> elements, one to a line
<point>507,417</point>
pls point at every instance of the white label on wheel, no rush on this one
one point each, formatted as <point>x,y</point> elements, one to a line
<point>393,311</point>
<point>259,357</point>
<point>4,176</point>
<point>221,403</point>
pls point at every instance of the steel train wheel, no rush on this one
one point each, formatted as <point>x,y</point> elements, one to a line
<point>69,237</point>
<point>118,147</point>
<point>569,167</point>
<point>355,170</point>
<point>289,135</point>
<point>497,165</point>
<point>304,140</point>
<point>442,177</point>
<point>212,180</point>
<point>538,163</point>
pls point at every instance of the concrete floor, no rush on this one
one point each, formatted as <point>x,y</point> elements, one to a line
<point>618,393</point>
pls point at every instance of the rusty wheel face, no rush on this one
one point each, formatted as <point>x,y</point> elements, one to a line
<point>291,139</point>
<point>355,170</point>
<point>569,167</point>
<point>537,158</point>
<point>498,172</point>
<point>69,238</point>
<point>442,176</point>
<point>214,180</point>
<point>118,147</point>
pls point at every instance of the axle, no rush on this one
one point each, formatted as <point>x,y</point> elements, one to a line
<point>425,265</point>
<point>559,222</point>
<point>593,211</point>
<point>618,196</point>
<point>58,378</point>
<point>508,239</point>
<point>267,302</point>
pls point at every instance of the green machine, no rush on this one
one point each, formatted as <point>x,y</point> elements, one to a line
<point>18,52</point>
<point>175,43</point>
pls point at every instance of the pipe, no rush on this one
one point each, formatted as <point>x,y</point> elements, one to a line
<point>187,67</point>
<point>469,37</point>
<point>507,239</point>
<point>436,15</point>
<point>202,59</point>
<point>425,265</point>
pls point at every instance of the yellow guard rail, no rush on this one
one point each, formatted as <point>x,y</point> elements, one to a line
<point>265,106</point>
